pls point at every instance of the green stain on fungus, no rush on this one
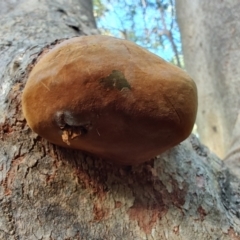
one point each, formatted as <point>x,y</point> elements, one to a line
<point>115,80</point>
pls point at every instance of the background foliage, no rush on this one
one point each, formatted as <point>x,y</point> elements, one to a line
<point>150,23</point>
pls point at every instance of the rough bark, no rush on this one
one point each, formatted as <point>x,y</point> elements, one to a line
<point>210,35</point>
<point>48,192</point>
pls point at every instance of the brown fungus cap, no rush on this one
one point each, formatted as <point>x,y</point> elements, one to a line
<point>111,98</point>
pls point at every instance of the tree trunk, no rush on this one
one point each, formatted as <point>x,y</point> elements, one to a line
<point>210,31</point>
<point>49,192</point>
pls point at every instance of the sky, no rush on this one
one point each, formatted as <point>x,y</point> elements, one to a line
<point>143,23</point>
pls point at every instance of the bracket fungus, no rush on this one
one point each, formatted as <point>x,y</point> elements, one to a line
<point>109,97</point>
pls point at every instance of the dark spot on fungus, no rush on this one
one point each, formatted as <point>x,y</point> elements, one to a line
<point>115,80</point>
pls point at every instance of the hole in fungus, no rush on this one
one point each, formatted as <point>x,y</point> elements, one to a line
<point>70,133</point>
<point>72,126</point>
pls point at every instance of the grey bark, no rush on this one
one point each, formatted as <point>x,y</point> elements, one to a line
<point>210,36</point>
<point>48,192</point>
